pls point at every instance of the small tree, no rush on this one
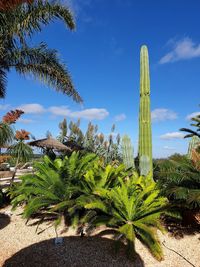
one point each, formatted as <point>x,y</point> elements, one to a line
<point>20,150</point>
<point>6,131</point>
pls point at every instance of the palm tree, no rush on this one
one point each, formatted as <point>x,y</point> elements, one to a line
<point>6,131</point>
<point>39,61</point>
<point>6,134</point>
<point>9,4</point>
<point>196,124</point>
<point>20,150</point>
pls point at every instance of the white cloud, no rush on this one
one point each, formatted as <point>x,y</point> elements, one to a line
<point>192,115</point>
<point>60,110</point>
<point>25,121</point>
<point>172,135</point>
<point>32,108</point>
<point>181,50</point>
<point>163,114</point>
<point>169,148</point>
<point>4,107</point>
<point>120,117</point>
<point>89,114</point>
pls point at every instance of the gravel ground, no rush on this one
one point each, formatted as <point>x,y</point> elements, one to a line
<point>21,246</point>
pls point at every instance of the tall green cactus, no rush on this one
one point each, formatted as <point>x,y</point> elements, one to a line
<point>194,142</point>
<point>127,152</point>
<point>145,135</point>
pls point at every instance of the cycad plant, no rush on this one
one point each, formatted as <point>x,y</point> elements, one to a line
<point>52,188</point>
<point>179,180</point>
<point>132,209</point>
<point>17,26</point>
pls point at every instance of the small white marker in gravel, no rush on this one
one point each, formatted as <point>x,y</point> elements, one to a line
<point>58,240</point>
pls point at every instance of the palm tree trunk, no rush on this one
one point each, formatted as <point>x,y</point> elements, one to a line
<point>14,173</point>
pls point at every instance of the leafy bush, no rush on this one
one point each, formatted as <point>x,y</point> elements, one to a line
<point>88,194</point>
<point>1,197</point>
<point>179,180</point>
<point>132,209</point>
<point>50,191</point>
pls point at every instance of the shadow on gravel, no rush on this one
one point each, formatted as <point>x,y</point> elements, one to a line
<point>74,251</point>
<point>4,220</point>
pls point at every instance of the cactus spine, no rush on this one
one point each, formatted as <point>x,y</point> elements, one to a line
<point>145,135</point>
<point>127,152</point>
<point>193,144</point>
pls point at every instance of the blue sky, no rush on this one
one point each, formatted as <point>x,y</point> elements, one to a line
<point>103,58</point>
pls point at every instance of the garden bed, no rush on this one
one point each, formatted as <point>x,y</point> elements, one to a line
<point>22,246</point>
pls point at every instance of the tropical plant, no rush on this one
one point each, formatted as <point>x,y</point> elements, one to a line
<point>51,190</point>
<point>102,177</point>
<point>10,4</point>
<point>16,27</point>
<point>145,135</point>
<point>6,132</point>
<point>20,150</point>
<point>132,209</point>
<point>196,123</point>
<point>1,197</point>
<point>179,180</point>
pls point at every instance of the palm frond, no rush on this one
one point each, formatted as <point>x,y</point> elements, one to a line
<point>6,134</point>
<point>43,64</point>
<point>3,83</point>
<point>28,19</point>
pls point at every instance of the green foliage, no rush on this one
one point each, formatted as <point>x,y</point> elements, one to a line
<point>6,134</point>
<point>100,177</point>
<point>51,189</point>
<point>89,194</point>
<point>127,152</point>
<point>132,209</point>
<point>195,123</point>
<point>1,198</point>
<point>21,151</point>
<point>16,27</point>
<point>145,136</point>
<point>179,180</point>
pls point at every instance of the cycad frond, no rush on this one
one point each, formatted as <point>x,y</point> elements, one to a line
<point>131,212</point>
<point>179,180</point>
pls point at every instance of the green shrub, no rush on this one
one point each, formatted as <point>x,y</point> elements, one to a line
<point>51,189</point>
<point>179,181</point>
<point>132,209</point>
<point>88,194</point>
